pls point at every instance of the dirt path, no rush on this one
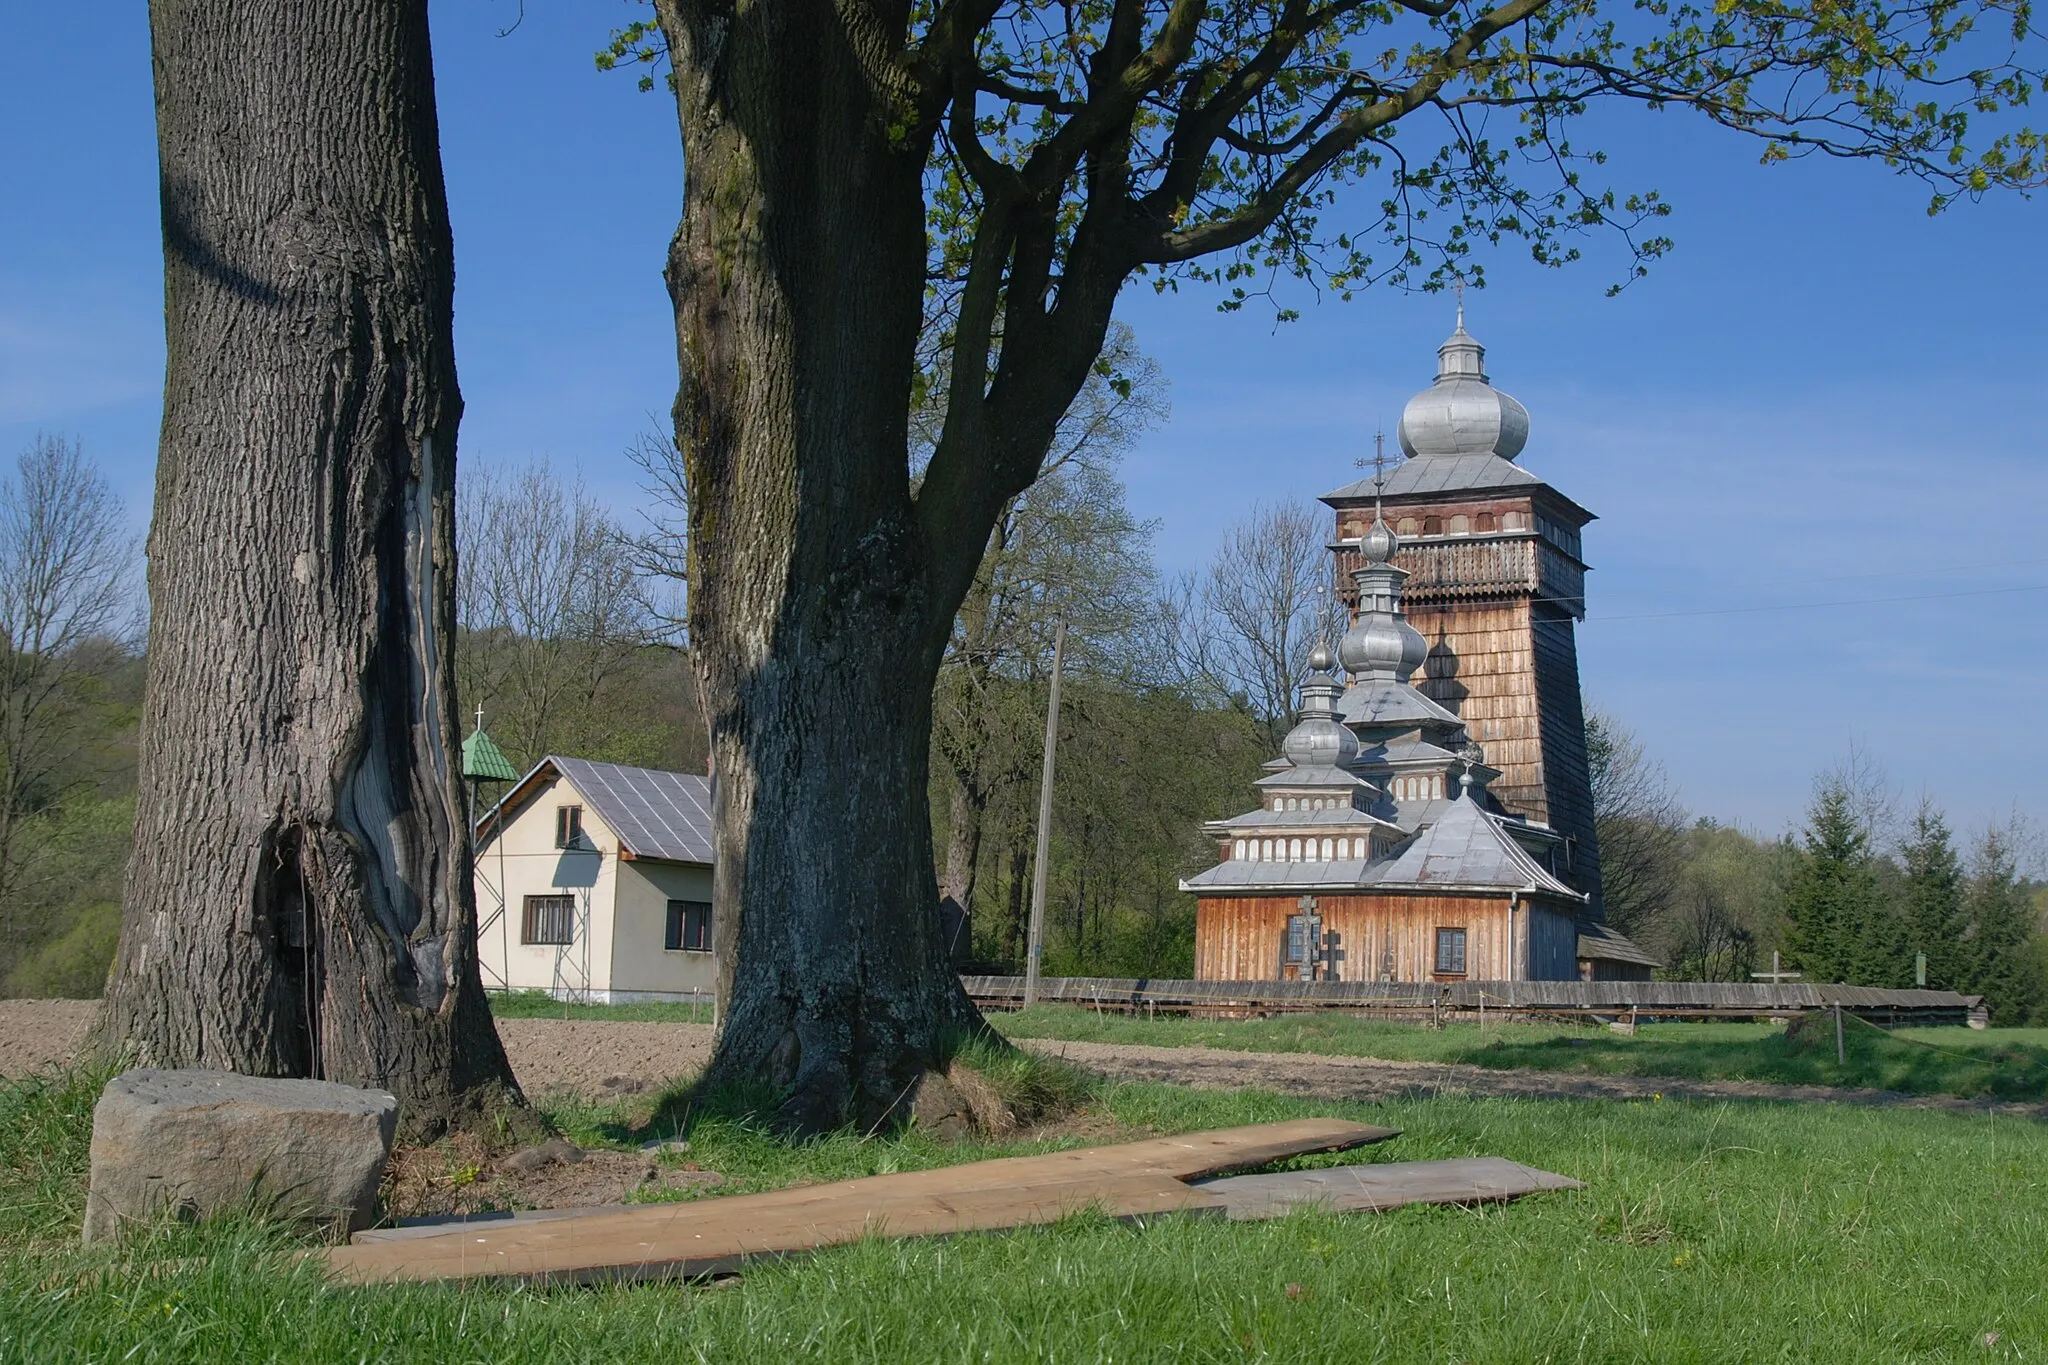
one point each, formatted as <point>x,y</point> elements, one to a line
<point>1365,1078</point>
<point>605,1057</point>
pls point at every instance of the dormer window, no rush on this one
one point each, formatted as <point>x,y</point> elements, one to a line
<point>568,826</point>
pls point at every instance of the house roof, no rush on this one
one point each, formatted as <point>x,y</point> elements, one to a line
<point>1597,942</point>
<point>654,813</point>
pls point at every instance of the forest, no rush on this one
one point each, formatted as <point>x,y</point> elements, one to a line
<point>1174,692</point>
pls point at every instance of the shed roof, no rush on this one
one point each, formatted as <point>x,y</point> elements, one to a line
<point>654,813</point>
<point>1597,942</point>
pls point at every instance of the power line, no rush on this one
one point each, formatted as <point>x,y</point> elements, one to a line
<point>1813,606</point>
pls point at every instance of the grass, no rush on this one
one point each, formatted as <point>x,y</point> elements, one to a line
<point>1708,1231</point>
<point>541,1005</point>
<point>2008,1064</point>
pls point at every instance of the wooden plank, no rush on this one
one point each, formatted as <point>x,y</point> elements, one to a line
<point>1379,1187</point>
<point>700,1237</point>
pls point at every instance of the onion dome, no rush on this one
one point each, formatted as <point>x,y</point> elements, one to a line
<point>1319,739</point>
<point>1381,645</point>
<point>1463,414</point>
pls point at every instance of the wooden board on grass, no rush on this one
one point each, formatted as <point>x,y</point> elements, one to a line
<point>707,1236</point>
<point>1382,1186</point>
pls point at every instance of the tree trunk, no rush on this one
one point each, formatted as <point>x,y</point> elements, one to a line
<point>298,900</point>
<point>967,809</point>
<point>813,612</point>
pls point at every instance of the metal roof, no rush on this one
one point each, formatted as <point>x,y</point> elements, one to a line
<point>1465,848</point>
<point>1396,703</point>
<point>654,813</point>
<point>1468,847</point>
<point>1440,474</point>
<point>484,761</point>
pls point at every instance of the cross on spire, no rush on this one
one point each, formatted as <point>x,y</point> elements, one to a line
<point>1460,288</point>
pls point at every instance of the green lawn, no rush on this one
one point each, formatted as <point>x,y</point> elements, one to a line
<point>541,1005</point>
<point>2006,1063</point>
<point>1708,1231</point>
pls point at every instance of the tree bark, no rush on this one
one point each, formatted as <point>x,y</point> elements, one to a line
<point>299,901</point>
<point>817,612</point>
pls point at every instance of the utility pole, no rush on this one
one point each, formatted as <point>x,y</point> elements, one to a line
<point>1034,947</point>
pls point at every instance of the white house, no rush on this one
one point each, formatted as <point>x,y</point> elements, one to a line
<point>593,882</point>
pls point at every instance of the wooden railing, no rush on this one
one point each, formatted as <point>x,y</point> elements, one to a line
<point>1649,999</point>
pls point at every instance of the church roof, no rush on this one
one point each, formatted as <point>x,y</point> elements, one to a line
<point>1466,847</point>
<point>1463,849</point>
<point>1318,776</point>
<point>1392,703</point>
<point>1441,474</point>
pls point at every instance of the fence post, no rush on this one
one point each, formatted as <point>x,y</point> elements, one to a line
<point>1841,1057</point>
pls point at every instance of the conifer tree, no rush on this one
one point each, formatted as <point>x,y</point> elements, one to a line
<point>2002,963</point>
<point>1833,892</point>
<point>1932,902</point>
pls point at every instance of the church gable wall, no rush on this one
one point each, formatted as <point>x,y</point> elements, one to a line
<point>1239,938</point>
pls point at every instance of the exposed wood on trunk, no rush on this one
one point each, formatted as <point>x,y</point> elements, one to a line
<point>299,901</point>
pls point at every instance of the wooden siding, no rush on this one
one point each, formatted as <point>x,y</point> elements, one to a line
<point>1482,667</point>
<point>1561,723</point>
<point>1386,937</point>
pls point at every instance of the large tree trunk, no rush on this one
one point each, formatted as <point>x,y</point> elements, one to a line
<point>815,624</point>
<point>298,900</point>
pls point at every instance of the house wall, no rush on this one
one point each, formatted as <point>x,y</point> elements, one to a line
<point>641,966</point>
<point>521,860</point>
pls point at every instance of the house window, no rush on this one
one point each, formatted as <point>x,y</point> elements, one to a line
<point>1450,952</point>
<point>568,826</point>
<point>689,927</point>
<point>548,919</point>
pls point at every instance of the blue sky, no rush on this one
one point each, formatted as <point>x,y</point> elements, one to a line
<point>1822,397</point>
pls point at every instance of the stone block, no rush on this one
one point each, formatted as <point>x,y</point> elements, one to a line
<point>197,1143</point>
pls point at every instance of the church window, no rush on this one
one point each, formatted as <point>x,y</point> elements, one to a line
<point>1407,527</point>
<point>1513,521</point>
<point>1450,952</point>
<point>1461,525</point>
<point>1432,526</point>
<point>1267,846</point>
<point>1483,522</point>
<point>1237,850</point>
<point>1294,850</point>
<point>1343,848</point>
<point>1328,851</point>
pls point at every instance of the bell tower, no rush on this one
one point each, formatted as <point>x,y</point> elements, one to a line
<point>1496,587</point>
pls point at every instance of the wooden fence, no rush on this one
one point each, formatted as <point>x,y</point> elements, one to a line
<point>1438,1000</point>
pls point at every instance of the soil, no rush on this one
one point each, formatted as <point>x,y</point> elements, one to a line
<point>605,1059</point>
<point>35,1033</point>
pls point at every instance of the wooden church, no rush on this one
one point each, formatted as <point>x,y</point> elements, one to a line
<point>1440,827</point>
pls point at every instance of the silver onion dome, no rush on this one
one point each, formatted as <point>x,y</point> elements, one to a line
<point>1381,645</point>
<point>1463,414</point>
<point>1319,739</point>
<point>1378,543</point>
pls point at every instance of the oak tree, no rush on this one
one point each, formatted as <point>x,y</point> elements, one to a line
<point>298,900</point>
<point>846,163</point>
